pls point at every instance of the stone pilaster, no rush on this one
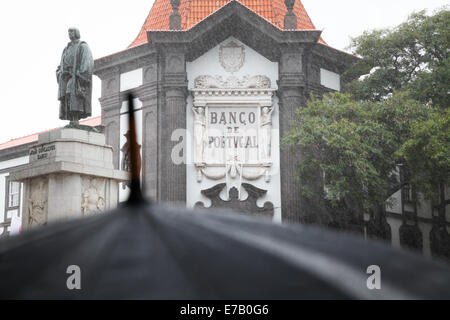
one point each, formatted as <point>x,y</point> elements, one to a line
<point>111,121</point>
<point>291,96</point>
<point>172,129</point>
<point>148,94</point>
<point>110,103</point>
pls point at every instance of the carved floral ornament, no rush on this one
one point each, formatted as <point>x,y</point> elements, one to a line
<point>217,82</point>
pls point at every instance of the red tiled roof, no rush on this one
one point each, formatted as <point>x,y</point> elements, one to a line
<point>194,11</point>
<point>93,122</point>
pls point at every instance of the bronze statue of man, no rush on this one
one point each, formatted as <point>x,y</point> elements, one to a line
<point>74,76</point>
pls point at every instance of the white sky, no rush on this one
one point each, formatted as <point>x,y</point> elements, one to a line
<point>33,34</point>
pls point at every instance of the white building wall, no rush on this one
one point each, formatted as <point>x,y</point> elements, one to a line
<point>426,229</point>
<point>424,208</point>
<point>131,80</point>
<point>4,166</point>
<point>395,203</point>
<point>395,225</point>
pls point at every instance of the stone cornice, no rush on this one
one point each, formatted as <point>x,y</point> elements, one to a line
<point>112,64</point>
<point>147,92</point>
<point>342,59</point>
<point>110,102</point>
<point>294,80</point>
<point>233,97</point>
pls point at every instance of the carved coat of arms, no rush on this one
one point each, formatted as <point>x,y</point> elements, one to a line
<point>232,56</point>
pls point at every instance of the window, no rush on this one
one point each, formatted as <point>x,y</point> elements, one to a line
<point>12,194</point>
<point>407,193</point>
<point>330,80</point>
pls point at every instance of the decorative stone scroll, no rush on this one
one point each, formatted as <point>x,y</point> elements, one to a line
<point>249,206</point>
<point>218,82</point>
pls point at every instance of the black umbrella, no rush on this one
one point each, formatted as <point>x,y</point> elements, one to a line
<point>144,251</point>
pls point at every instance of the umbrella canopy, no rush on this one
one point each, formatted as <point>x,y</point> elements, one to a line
<point>153,252</point>
<point>144,251</point>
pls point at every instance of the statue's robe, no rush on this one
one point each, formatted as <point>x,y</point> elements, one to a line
<point>75,81</point>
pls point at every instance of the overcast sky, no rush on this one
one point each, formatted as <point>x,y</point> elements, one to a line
<point>34,33</point>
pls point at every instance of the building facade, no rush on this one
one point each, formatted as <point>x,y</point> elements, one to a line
<point>216,87</point>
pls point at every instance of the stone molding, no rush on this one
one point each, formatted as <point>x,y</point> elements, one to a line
<point>218,82</point>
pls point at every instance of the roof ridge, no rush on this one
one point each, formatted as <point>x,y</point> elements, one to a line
<point>195,11</point>
<point>143,26</point>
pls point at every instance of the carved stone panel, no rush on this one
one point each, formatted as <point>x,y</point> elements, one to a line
<point>38,202</point>
<point>248,206</point>
<point>232,56</point>
<point>93,195</point>
<point>150,74</point>
<point>175,63</point>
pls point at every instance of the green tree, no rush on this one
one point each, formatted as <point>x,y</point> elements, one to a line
<point>412,56</point>
<point>354,145</point>
<point>426,154</point>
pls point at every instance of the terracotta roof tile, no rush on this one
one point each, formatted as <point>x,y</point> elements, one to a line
<point>93,122</point>
<point>194,11</point>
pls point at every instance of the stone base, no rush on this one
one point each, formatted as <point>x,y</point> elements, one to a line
<point>70,175</point>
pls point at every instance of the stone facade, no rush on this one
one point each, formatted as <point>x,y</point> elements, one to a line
<point>165,90</point>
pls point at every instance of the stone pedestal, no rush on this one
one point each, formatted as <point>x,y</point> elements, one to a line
<point>70,175</point>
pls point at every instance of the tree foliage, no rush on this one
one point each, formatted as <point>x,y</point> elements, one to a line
<point>354,145</point>
<point>427,153</point>
<point>412,56</point>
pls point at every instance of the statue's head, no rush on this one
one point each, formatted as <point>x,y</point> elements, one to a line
<point>74,34</point>
<point>201,110</point>
<point>266,110</point>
